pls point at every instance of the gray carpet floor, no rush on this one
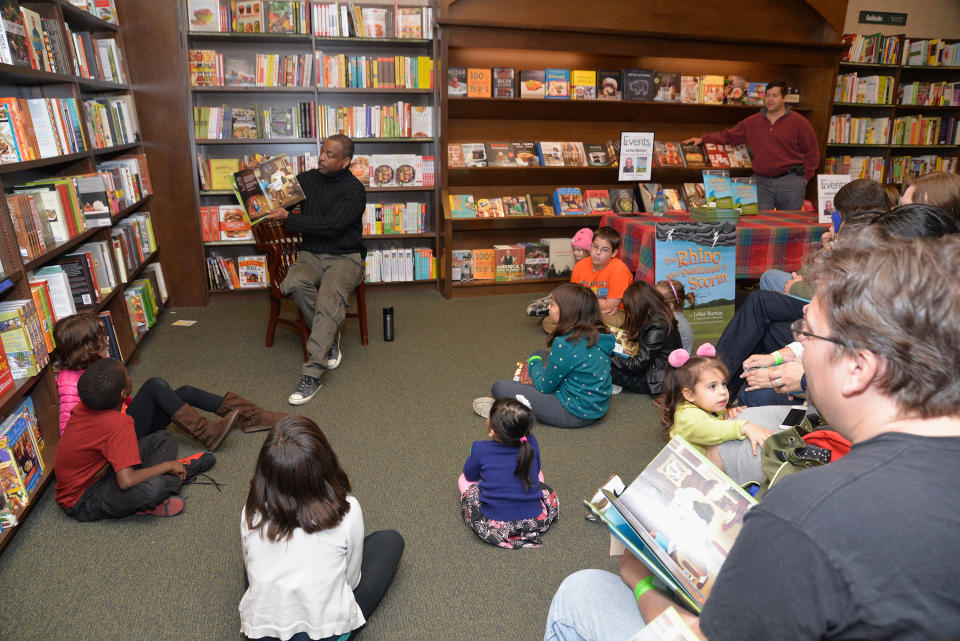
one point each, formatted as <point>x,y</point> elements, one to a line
<point>399,416</point>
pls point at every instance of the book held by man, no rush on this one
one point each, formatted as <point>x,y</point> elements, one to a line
<point>270,186</point>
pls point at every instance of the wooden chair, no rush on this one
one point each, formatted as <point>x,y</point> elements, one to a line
<point>281,248</point>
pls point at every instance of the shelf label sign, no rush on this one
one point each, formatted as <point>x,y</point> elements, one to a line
<point>636,155</point>
<point>883,17</point>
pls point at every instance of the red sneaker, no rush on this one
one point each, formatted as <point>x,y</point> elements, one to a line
<point>171,506</point>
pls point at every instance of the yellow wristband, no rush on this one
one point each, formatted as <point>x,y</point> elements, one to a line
<point>777,358</point>
<point>642,587</point>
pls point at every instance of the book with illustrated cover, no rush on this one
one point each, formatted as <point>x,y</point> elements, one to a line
<point>558,84</point>
<point>360,168</point>
<point>597,202</point>
<point>711,90</point>
<point>500,154</point>
<point>484,264</point>
<point>249,16</point>
<point>503,82</point>
<point>667,154</point>
<point>490,208</point>
<point>456,81</point>
<point>509,262</point>
<point>716,186</point>
<point>474,154</point>
<point>243,122</point>
<point>693,155</point>
<point>271,185</point>
<point>252,271</point>
<point>280,16</point>
<point>674,199</point>
<point>717,155</point>
<point>516,206</point>
<point>573,154</point>
<point>623,200</point>
<point>522,373</point>
<point>561,257</point>
<point>462,206</point>
<point>598,155</point>
<point>233,223</point>
<point>610,85</point>
<point>375,22</point>
<point>462,265</point>
<point>410,22</point>
<point>680,517</point>
<point>583,84</point>
<point>638,84</point>
<point>280,122</point>
<point>478,83</point>
<point>568,201</point>
<point>745,195</point>
<point>203,15</point>
<point>533,83</point>
<point>734,90</point>
<point>695,195</point>
<point>17,434</point>
<point>648,191</point>
<point>17,42</point>
<point>525,154</point>
<point>541,204</point>
<point>11,482</point>
<point>742,152</point>
<point>536,260</point>
<point>239,72</point>
<point>755,93</point>
<point>666,86</point>
<point>550,154</point>
<point>690,89</point>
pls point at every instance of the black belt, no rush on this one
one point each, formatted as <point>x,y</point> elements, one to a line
<point>796,169</point>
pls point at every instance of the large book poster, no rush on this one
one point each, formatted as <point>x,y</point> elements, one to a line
<point>827,187</point>
<point>636,155</point>
<point>702,257</point>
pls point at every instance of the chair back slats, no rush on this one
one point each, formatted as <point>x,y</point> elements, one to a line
<point>280,246</point>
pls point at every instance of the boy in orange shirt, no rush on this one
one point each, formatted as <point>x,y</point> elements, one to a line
<point>604,274</point>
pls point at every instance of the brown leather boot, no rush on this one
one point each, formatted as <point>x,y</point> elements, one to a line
<point>210,433</point>
<point>253,418</point>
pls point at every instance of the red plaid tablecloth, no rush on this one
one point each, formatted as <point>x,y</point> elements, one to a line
<point>770,240</point>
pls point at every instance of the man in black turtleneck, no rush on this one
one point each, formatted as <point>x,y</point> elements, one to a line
<point>330,261</point>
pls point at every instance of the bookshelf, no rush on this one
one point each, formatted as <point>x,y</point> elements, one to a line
<point>680,37</point>
<point>164,28</point>
<point>65,84</point>
<point>890,156</point>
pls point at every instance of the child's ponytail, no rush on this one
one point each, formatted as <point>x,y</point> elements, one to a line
<point>511,422</point>
<point>524,461</point>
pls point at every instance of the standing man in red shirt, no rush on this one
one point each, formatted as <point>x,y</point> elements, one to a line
<point>784,147</point>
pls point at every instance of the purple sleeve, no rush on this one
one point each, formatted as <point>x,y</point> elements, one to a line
<point>471,469</point>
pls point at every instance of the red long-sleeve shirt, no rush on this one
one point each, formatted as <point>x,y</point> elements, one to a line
<point>788,142</point>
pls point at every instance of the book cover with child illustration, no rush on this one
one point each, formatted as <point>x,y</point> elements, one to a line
<point>271,185</point>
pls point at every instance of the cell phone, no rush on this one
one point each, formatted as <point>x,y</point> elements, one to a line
<point>794,417</point>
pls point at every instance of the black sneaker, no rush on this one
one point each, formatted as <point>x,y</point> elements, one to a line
<point>539,307</point>
<point>306,389</point>
<point>197,464</point>
<point>334,356</point>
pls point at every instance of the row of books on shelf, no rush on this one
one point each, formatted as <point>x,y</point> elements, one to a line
<point>903,168</point>
<point>112,121</point>
<point>105,10</point>
<point>398,265</point>
<point>394,170</point>
<point>224,223</point>
<point>374,72</point>
<point>398,120</point>
<point>579,154</point>
<point>144,299</point>
<point>864,89</point>
<point>34,128</point>
<point>718,190</point>
<point>21,458</point>
<point>549,258</point>
<point>619,84</point>
<point>216,174</point>
<point>211,69</point>
<point>933,94</point>
<point>223,122</point>
<point>242,272</point>
<point>395,218</point>
<point>896,49</point>
<point>905,130</point>
<point>323,19</point>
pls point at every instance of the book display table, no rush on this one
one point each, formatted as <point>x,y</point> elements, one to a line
<point>769,240</point>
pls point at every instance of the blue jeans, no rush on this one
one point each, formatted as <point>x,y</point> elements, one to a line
<point>774,280</point>
<point>784,193</point>
<point>593,605</point>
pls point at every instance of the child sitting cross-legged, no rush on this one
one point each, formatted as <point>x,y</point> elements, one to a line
<point>103,471</point>
<point>502,494</point>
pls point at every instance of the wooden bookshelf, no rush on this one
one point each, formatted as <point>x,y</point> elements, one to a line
<point>677,36</point>
<point>25,82</point>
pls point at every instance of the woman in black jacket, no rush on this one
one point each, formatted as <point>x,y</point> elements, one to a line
<point>649,335</point>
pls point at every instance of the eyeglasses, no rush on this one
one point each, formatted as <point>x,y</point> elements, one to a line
<point>797,327</point>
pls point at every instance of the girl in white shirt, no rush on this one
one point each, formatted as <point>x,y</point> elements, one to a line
<point>312,575</point>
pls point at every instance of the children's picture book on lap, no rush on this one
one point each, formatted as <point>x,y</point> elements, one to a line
<point>680,517</point>
<point>271,185</point>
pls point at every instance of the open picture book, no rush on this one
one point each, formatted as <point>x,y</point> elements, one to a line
<point>271,185</point>
<point>680,517</point>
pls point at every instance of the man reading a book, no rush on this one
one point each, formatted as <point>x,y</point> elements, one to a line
<point>330,261</point>
<point>864,547</point>
<point>784,146</point>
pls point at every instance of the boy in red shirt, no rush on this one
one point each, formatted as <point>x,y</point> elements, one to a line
<point>604,274</point>
<point>102,470</point>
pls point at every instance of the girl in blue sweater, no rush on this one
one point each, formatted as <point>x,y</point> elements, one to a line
<point>501,494</point>
<point>570,386</point>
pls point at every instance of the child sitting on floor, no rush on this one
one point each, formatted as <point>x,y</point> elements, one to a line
<point>694,404</point>
<point>502,496</point>
<point>103,470</point>
<point>649,335</point>
<point>580,245</point>
<point>673,292</point>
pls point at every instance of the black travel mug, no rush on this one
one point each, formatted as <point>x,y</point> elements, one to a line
<point>388,323</point>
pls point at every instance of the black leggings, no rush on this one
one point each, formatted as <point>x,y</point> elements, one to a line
<point>155,402</point>
<point>381,556</point>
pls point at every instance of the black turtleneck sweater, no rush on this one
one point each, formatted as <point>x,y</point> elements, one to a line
<point>331,218</point>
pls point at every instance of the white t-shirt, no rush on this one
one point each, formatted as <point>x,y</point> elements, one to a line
<point>303,584</point>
